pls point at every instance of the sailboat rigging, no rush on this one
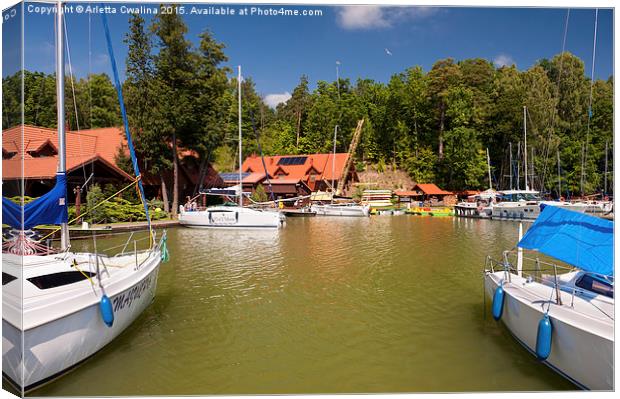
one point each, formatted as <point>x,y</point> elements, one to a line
<point>232,217</point>
<point>86,303</point>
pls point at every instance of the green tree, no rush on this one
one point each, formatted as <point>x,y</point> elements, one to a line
<point>465,161</point>
<point>145,106</point>
<point>421,165</point>
<point>444,75</point>
<point>174,74</point>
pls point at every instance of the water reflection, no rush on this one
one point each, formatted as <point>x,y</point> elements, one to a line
<point>380,304</point>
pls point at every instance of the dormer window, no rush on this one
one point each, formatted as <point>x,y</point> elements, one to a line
<point>46,149</point>
<point>7,154</point>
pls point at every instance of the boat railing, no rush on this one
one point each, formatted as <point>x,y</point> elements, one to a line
<point>535,269</point>
<point>125,245</point>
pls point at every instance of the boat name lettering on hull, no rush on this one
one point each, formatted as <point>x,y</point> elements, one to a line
<point>125,299</point>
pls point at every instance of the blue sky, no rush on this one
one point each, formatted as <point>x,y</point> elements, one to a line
<point>370,42</point>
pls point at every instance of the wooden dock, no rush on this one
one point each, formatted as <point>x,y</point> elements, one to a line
<point>294,212</point>
<point>77,232</point>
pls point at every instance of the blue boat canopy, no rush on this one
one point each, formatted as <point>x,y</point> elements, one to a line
<point>581,240</point>
<point>50,208</point>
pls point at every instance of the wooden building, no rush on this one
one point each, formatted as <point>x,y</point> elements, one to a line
<point>89,151</point>
<point>316,171</point>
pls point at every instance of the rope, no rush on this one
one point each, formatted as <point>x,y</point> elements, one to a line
<point>132,152</point>
<point>75,266</point>
<point>583,172</point>
<point>95,207</point>
<point>260,150</point>
<point>77,118</point>
<point>555,111</point>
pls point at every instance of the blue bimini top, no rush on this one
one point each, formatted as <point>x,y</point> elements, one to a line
<point>581,240</point>
<point>50,208</point>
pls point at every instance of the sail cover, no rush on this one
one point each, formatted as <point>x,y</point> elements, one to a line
<point>581,240</point>
<point>50,208</point>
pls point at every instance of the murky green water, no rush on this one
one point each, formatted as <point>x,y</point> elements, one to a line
<point>325,305</point>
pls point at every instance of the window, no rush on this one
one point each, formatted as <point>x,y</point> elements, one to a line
<point>596,285</point>
<point>7,278</point>
<point>58,279</point>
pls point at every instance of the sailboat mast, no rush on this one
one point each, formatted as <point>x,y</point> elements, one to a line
<point>559,177</point>
<point>510,149</point>
<point>582,165</point>
<point>525,146</point>
<point>240,142</point>
<point>532,175</point>
<point>335,136</point>
<point>60,107</point>
<point>606,150</point>
<point>489,168</point>
<point>334,163</point>
<point>518,162</point>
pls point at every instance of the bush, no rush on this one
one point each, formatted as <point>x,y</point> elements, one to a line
<point>117,209</point>
<point>17,199</point>
<point>260,195</point>
<point>94,196</point>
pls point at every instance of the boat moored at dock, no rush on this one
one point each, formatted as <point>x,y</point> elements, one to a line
<point>230,217</point>
<point>341,209</point>
<point>61,307</point>
<point>527,205</point>
<point>53,304</point>
<point>564,315</point>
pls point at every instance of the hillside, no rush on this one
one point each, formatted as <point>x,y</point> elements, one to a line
<point>392,179</point>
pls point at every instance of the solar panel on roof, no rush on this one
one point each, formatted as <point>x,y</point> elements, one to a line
<point>233,176</point>
<point>292,161</point>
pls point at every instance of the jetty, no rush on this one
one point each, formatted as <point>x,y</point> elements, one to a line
<point>78,232</point>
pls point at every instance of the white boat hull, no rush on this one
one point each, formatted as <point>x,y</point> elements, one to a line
<point>231,217</point>
<point>528,210</point>
<point>341,210</point>
<point>582,344</point>
<point>471,209</point>
<point>65,340</point>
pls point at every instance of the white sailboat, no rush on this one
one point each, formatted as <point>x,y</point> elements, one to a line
<point>232,217</point>
<point>61,307</point>
<point>564,315</point>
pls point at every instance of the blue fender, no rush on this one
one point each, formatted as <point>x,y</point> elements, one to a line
<point>107,313</point>
<point>498,303</point>
<point>543,338</point>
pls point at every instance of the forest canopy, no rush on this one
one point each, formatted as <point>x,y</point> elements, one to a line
<point>437,125</point>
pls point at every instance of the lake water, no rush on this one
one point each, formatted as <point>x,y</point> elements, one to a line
<point>325,305</point>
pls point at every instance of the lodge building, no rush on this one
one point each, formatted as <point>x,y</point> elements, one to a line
<point>31,153</point>
<point>289,176</point>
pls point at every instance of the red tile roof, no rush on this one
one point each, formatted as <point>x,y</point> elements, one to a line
<point>253,178</point>
<point>321,163</point>
<point>405,193</point>
<point>431,189</point>
<point>284,181</point>
<point>83,147</point>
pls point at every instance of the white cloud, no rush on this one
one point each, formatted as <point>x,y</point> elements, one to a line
<point>362,17</point>
<point>272,100</point>
<point>503,60</point>
<point>101,60</point>
<point>378,17</point>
